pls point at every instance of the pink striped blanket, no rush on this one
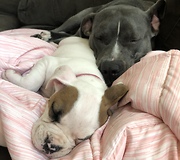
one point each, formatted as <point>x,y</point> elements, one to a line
<point>146,124</point>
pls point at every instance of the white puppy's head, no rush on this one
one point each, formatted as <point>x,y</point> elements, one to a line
<point>51,139</point>
<point>71,116</point>
<point>76,109</point>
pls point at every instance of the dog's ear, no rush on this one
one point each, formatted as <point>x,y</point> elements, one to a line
<point>86,25</point>
<point>62,102</point>
<point>155,13</point>
<point>111,96</point>
<point>62,76</point>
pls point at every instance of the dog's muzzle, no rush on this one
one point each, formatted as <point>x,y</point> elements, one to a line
<point>111,70</point>
<point>51,140</point>
<point>50,148</point>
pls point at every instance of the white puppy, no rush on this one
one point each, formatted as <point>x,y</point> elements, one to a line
<point>78,96</point>
<point>73,55</point>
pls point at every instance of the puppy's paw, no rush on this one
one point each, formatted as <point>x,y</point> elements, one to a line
<point>9,75</point>
<point>45,35</point>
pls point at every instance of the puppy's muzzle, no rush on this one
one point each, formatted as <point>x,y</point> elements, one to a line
<point>49,148</point>
<point>111,70</point>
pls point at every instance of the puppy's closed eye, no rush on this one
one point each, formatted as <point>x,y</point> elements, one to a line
<point>55,112</point>
<point>62,102</point>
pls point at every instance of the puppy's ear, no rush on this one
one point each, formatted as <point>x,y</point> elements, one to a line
<point>111,96</point>
<point>155,13</point>
<point>62,76</point>
<point>62,102</point>
<point>86,25</point>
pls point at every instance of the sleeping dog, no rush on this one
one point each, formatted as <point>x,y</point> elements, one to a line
<point>79,99</point>
<point>119,33</point>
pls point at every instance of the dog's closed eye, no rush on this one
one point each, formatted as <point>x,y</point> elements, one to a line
<point>55,112</point>
<point>102,38</point>
<point>62,102</point>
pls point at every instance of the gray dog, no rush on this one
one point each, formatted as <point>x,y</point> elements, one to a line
<point>120,33</point>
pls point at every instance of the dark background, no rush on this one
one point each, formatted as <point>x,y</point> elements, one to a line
<point>4,155</point>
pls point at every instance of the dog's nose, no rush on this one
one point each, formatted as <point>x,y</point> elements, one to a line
<point>49,148</point>
<point>111,70</point>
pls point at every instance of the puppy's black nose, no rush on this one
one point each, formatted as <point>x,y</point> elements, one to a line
<point>111,70</point>
<point>49,148</point>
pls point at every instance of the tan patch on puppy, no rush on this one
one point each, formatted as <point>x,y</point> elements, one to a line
<point>111,96</point>
<point>62,102</point>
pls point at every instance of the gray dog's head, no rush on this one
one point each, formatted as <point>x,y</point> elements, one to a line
<point>120,36</point>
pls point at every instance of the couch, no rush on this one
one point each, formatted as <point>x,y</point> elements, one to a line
<point>46,14</point>
<point>146,123</point>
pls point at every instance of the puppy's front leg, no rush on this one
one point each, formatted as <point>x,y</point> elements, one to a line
<point>31,80</point>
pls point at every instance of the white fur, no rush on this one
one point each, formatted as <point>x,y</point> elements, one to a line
<point>73,52</point>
